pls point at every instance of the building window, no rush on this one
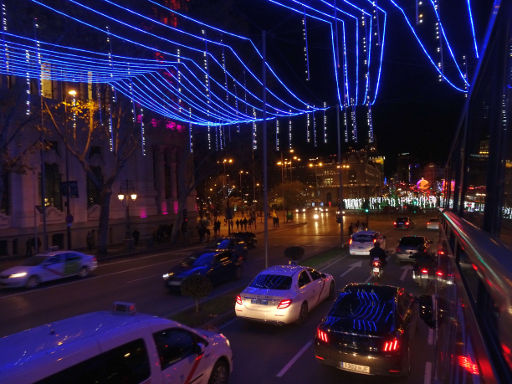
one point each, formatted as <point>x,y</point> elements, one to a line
<point>52,186</point>
<point>4,201</point>
<point>93,192</point>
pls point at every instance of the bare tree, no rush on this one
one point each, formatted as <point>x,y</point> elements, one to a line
<point>79,130</point>
<point>14,120</point>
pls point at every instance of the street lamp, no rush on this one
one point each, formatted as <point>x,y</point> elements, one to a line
<point>126,197</point>
<point>69,217</point>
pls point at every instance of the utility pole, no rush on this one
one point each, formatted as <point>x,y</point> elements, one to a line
<point>265,170</point>
<point>342,243</point>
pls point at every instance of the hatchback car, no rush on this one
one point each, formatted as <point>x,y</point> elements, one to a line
<point>369,330</point>
<point>47,267</point>
<point>403,223</point>
<point>409,246</point>
<point>218,266</point>
<point>284,294</point>
<point>362,242</point>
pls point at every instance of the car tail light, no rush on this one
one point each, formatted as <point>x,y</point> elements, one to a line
<point>469,365</point>
<point>440,273</point>
<point>391,346</point>
<point>374,241</point>
<point>239,300</point>
<point>406,223</point>
<point>376,263</point>
<point>350,242</point>
<point>441,252</point>
<point>322,335</point>
<point>394,222</point>
<point>285,303</point>
<point>424,271</point>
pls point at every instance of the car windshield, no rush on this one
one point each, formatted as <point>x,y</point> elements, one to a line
<point>402,219</point>
<point>199,259</point>
<point>432,220</point>
<point>368,311</point>
<point>266,281</point>
<point>411,241</point>
<point>363,238</point>
<point>34,260</point>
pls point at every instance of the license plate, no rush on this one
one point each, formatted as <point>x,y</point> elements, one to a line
<point>355,367</point>
<point>375,269</point>
<point>259,301</point>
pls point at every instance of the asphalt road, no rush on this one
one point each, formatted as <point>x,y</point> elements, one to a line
<point>262,354</point>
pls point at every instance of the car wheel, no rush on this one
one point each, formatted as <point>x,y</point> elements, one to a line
<point>84,272</point>
<point>220,373</point>
<point>33,282</point>
<point>238,273</point>
<point>303,314</point>
<point>331,291</point>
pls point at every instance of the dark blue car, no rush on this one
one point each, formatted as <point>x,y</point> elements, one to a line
<point>218,266</point>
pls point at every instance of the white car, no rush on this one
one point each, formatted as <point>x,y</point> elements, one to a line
<point>284,294</point>
<point>433,224</point>
<point>47,267</point>
<point>362,242</point>
<point>115,347</point>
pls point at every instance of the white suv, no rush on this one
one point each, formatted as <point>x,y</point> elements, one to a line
<point>115,347</point>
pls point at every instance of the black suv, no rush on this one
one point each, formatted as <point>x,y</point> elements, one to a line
<point>370,329</point>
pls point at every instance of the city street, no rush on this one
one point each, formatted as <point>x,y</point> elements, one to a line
<point>285,352</point>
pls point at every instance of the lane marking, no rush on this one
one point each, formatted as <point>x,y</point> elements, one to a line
<point>142,278</point>
<point>430,337</point>
<point>285,369</point>
<point>368,279</point>
<point>357,264</point>
<point>227,324</point>
<point>406,270</point>
<point>428,373</point>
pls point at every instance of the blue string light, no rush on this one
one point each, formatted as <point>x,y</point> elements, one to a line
<point>472,28</point>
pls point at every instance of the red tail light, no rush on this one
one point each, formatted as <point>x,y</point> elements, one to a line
<point>441,252</point>
<point>394,222</point>
<point>391,346</point>
<point>467,363</point>
<point>322,335</point>
<point>350,242</point>
<point>440,273</point>
<point>376,263</point>
<point>239,300</point>
<point>406,223</point>
<point>374,241</point>
<point>284,304</point>
<point>424,271</point>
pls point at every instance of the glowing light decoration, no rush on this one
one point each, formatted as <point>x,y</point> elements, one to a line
<point>371,137</point>
<point>142,133</point>
<point>254,131</point>
<point>190,143</point>
<point>353,118</point>
<point>308,125</point>
<point>178,54</point>
<point>306,50</point>
<point>290,145</point>
<point>345,124</point>
<point>277,135</point>
<point>4,29</point>
<point>325,122</point>
<point>27,80</point>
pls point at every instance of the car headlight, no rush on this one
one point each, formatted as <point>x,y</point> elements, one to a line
<point>17,275</point>
<point>315,216</point>
<point>167,275</point>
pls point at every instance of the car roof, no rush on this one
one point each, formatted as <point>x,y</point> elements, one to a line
<point>55,253</point>
<point>379,289</point>
<point>62,338</point>
<point>369,233</point>
<point>287,270</point>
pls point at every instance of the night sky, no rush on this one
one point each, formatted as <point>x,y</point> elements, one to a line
<point>414,112</point>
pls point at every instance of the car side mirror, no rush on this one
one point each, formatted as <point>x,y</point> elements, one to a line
<point>199,348</point>
<point>323,275</point>
<point>426,310</point>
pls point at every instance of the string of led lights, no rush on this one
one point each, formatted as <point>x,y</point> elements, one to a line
<point>138,77</point>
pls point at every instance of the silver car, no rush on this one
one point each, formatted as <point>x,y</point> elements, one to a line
<point>47,267</point>
<point>409,246</point>
<point>362,242</point>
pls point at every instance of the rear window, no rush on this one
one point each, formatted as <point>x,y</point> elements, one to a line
<point>411,241</point>
<point>267,281</point>
<point>364,311</point>
<point>363,238</point>
<point>433,220</point>
<point>402,219</point>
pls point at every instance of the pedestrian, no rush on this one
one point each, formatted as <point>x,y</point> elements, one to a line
<point>350,229</point>
<point>277,221</point>
<point>184,230</point>
<point>244,221</point>
<point>136,236</point>
<point>200,232</point>
<point>237,222</point>
<point>29,251</point>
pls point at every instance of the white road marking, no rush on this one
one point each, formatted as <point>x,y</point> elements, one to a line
<point>285,369</point>
<point>406,269</point>
<point>368,279</point>
<point>357,264</point>
<point>428,373</point>
<point>143,278</point>
<point>430,337</point>
<point>331,263</point>
<point>227,324</point>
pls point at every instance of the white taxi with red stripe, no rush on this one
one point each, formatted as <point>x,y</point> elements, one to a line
<point>121,346</point>
<point>284,294</point>
<point>47,267</point>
